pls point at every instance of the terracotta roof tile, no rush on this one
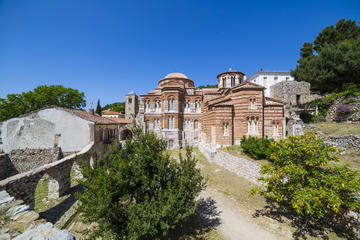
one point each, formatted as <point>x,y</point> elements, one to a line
<point>121,120</point>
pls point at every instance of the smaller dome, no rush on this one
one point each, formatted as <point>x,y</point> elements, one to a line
<point>175,75</point>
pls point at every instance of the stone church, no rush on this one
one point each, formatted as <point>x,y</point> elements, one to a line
<point>213,117</point>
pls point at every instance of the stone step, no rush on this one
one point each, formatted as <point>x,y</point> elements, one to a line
<point>5,207</point>
<point>5,197</point>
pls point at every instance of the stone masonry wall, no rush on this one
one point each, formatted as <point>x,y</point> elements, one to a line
<point>23,160</point>
<point>22,186</point>
<point>291,92</point>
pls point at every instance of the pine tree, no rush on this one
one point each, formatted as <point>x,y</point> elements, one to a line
<point>98,108</point>
<point>139,191</point>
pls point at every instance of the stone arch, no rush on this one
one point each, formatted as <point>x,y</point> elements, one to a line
<point>125,133</point>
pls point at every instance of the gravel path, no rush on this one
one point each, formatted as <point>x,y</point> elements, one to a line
<point>233,224</point>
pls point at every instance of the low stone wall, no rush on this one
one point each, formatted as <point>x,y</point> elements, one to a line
<point>353,103</point>
<point>346,142</point>
<point>240,166</point>
<point>22,186</point>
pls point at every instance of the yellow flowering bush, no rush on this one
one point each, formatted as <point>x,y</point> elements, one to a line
<point>301,175</point>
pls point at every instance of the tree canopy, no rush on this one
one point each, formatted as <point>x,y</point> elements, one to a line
<point>208,86</point>
<point>42,96</point>
<point>332,60</point>
<point>98,107</point>
<point>139,192</point>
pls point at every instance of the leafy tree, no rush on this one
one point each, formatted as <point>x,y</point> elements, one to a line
<point>139,192</point>
<point>335,62</point>
<point>307,50</point>
<point>42,96</point>
<point>303,176</point>
<point>257,148</point>
<point>117,107</point>
<point>208,86</point>
<point>98,107</point>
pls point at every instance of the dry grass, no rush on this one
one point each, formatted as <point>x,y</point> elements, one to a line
<point>333,128</point>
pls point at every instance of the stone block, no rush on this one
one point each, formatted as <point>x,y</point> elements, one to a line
<point>17,209</point>
<point>5,198</point>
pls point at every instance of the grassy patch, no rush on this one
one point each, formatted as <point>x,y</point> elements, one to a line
<point>333,128</point>
<point>352,158</point>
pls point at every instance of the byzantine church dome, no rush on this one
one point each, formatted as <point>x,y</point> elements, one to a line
<point>181,78</point>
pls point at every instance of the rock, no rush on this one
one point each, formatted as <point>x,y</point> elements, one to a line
<point>23,221</point>
<point>62,235</point>
<point>35,233</point>
<point>17,209</point>
<point>5,198</point>
<point>5,207</point>
<point>4,236</point>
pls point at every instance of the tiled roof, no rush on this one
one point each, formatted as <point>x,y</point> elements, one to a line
<point>121,120</point>
<point>112,113</point>
<point>88,116</point>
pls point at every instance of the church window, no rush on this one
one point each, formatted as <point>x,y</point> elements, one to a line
<point>187,106</point>
<point>252,103</point>
<point>171,123</point>
<point>158,106</point>
<point>226,128</point>
<point>147,106</point>
<point>196,124</point>
<point>130,100</point>
<point>252,126</point>
<point>276,126</point>
<point>197,106</point>
<point>232,81</point>
<point>224,82</point>
<point>171,143</point>
<point>170,104</point>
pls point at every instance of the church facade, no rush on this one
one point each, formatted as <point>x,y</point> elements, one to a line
<point>213,117</point>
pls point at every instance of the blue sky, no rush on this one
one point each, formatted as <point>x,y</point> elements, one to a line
<point>109,48</point>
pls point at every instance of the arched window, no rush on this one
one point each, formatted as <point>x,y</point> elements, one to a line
<point>171,104</point>
<point>252,103</point>
<point>226,129</point>
<point>171,123</point>
<point>187,107</point>
<point>224,82</point>
<point>276,126</point>
<point>171,143</point>
<point>232,81</point>
<point>252,126</point>
<point>147,125</point>
<point>197,106</point>
<point>147,105</point>
<point>196,124</point>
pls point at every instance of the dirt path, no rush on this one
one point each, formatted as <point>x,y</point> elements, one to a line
<point>235,225</point>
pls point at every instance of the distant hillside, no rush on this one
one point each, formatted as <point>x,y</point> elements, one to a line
<point>208,86</point>
<point>117,107</point>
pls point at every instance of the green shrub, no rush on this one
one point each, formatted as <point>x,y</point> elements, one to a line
<point>257,148</point>
<point>301,176</point>
<point>139,192</point>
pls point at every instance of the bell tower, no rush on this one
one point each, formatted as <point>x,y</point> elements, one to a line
<point>131,105</point>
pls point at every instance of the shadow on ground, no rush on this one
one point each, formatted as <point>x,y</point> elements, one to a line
<point>205,219</point>
<point>55,213</point>
<point>343,227</point>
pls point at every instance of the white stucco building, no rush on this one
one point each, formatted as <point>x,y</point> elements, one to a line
<point>269,78</point>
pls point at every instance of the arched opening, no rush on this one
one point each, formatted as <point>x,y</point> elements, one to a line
<point>306,117</point>
<point>46,190</point>
<point>125,134</point>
